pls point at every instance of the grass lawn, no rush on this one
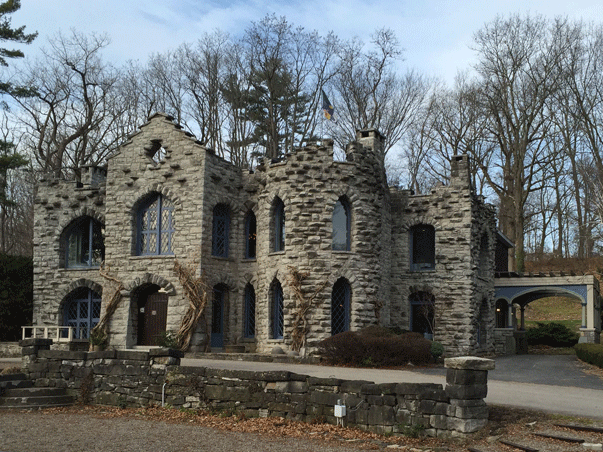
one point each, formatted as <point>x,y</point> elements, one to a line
<point>567,311</point>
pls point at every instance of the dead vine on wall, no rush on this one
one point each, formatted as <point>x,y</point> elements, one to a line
<point>196,292</point>
<point>101,330</point>
<point>303,303</point>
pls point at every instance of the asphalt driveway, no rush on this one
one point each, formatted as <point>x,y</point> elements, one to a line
<point>555,370</point>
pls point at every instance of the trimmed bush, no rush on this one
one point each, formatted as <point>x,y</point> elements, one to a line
<point>590,353</point>
<point>375,347</point>
<point>552,334</point>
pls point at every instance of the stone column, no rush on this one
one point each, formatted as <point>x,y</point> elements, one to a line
<point>30,349</point>
<point>467,387</point>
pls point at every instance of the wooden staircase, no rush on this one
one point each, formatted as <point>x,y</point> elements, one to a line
<point>16,392</point>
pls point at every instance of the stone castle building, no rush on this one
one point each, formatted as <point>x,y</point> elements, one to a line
<point>372,254</point>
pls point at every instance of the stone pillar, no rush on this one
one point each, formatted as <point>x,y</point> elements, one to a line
<point>30,349</point>
<point>467,387</point>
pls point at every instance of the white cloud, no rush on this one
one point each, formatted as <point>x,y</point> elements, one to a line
<point>435,33</point>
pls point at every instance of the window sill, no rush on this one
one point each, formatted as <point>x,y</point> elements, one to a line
<point>70,269</point>
<point>423,270</point>
<point>342,251</point>
<point>222,258</point>
<point>249,259</point>
<point>276,253</point>
<point>276,341</point>
<point>153,256</point>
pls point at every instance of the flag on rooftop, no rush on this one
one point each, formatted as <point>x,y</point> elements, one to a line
<point>327,107</point>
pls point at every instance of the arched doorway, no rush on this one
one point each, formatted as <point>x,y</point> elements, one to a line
<point>152,306</point>
<point>422,314</point>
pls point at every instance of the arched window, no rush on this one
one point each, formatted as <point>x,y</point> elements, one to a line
<point>249,326</point>
<point>250,235</point>
<point>341,226</point>
<point>278,221</point>
<point>422,314</point>
<point>221,227</point>
<point>340,307</point>
<point>84,246</point>
<point>276,311</point>
<point>156,226</point>
<point>82,312</point>
<point>422,247</point>
<point>217,315</point>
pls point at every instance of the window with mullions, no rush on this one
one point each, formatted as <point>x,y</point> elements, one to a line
<point>422,247</point>
<point>278,226</point>
<point>249,327</point>
<point>341,226</point>
<point>82,312</point>
<point>340,307</point>
<point>221,227</point>
<point>84,244</point>
<point>276,312</point>
<point>250,235</point>
<point>156,226</point>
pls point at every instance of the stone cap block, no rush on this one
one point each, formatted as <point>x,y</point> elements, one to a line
<point>154,352</point>
<point>35,342</point>
<point>469,363</point>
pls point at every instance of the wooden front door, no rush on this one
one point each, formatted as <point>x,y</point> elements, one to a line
<point>152,318</point>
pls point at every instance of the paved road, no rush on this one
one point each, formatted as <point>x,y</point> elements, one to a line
<point>556,384</point>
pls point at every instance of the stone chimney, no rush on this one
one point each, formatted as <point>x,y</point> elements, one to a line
<point>459,170</point>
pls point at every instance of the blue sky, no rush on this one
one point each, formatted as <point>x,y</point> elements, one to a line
<point>436,34</point>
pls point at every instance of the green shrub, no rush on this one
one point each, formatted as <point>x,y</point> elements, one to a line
<point>552,334</point>
<point>590,353</point>
<point>437,350</point>
<point>167,339</point>
<point>375,347</point>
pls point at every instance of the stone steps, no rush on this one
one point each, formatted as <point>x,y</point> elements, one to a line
<point>18,393</point>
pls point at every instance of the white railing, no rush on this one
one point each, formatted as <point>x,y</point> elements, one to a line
<point>56,333</point>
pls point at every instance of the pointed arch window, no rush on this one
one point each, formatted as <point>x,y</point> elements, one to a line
<point>250,235</point>
<point>82,312</point>
<point>84,245</point>
<point>340,307</point>
<point>156,226</point>
<point>276,311</point>
<point>278,220</point>
<point>221,227</point>
<point>249,326</point>
<point>341,226</point>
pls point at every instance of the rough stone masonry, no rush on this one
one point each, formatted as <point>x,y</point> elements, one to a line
<point>165,197</point>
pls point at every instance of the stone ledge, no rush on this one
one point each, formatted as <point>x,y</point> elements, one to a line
<point>469,363</point>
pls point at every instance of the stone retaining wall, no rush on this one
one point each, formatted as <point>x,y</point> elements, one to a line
<point>10,350</point>
<point>134,378</point>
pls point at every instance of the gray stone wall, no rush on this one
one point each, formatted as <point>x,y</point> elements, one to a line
<point>460,281</point>
<point>134,378</point>
<point>309,182</point>
<point>57,204</point>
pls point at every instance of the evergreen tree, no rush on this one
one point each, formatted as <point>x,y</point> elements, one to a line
<point>18,35</point>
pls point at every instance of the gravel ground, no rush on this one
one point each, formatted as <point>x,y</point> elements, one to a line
<point>109,429</point>
<point>43,431</point>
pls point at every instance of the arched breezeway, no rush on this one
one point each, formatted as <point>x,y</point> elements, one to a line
<point>520,290</point>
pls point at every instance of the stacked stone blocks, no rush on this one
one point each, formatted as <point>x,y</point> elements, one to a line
<point>137,378</point>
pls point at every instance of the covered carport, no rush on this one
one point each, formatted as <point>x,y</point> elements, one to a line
<point>516,290</point>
